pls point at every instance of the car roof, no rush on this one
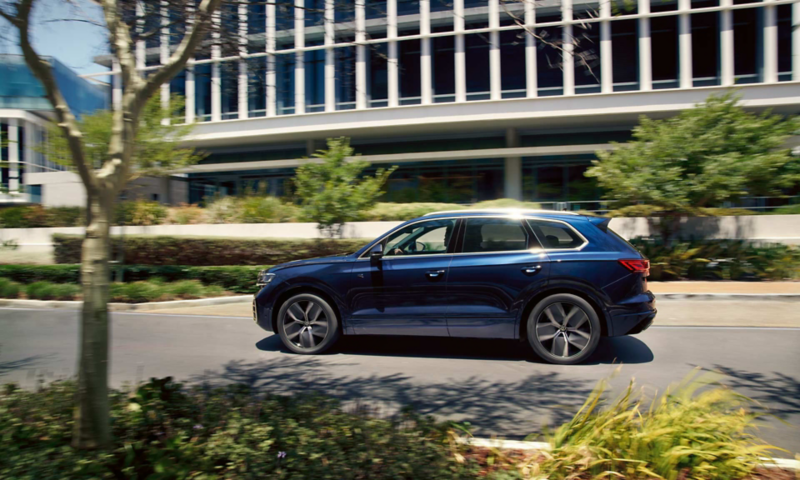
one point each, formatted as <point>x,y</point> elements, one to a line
<point>554,214</point>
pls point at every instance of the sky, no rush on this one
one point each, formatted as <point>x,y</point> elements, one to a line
<point>73,43</point>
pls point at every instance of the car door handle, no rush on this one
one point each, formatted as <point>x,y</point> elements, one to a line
<point>531,270</point>
<point>434,274</point>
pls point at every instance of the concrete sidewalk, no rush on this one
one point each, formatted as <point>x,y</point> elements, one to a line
<point>726,288</point>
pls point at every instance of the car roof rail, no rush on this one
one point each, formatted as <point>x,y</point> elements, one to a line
<point>509,211</point>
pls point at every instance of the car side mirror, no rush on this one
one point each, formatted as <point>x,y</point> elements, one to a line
<point>376,253</point>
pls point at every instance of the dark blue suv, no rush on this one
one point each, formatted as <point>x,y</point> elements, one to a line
<point>560,281</point>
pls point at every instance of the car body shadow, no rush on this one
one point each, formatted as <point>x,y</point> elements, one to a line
<point>629,350</point>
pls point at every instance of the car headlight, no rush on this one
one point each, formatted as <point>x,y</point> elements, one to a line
<point>264,277</point>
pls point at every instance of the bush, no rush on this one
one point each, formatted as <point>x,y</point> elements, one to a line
<point>37,216</point>
<point>166,250</point>
<point>159,291</point>
<point>786,210</point>
<point>9,288</point>
<point>719,260</point>
<point>265,209</point>
<point>238,279</point>
<point>52,291</point>
<point>678,435</point>
<point>140,212</point>
<point>164,430</point>
<point>187,215</point>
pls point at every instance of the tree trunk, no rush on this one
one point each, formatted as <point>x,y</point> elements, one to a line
<point>91,429</point>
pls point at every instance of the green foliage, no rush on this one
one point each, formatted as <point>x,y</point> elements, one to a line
<point>706,433</point>
<point>157,147</point>
<point>166,250</point>
<point>159,291</point>
<point>44,290</point>
<point>27,274</point>
<point>265,209</point>
<point>140,212</point>
<point>187,215</point>
<point>162,430</point>
<point>334,191</point>
<point>786,210</point>
<point>719,260</point>
<point>700,158</point>
<point>9,288</point>
<point>35,216</point>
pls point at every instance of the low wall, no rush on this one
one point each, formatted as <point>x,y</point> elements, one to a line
<point>35,244</point>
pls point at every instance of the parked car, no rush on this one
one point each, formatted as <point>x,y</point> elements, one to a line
<point>557,280</point>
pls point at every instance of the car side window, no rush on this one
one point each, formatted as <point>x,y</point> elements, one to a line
<point>555,235</point>
<point>422,238</point>
<point>494,235</point>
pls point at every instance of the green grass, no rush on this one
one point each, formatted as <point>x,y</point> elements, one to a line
<point>52,291</point>
<point>9,288</point>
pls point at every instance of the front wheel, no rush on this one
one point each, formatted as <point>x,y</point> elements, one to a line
<point>307,324</point>
<point>563,329</point>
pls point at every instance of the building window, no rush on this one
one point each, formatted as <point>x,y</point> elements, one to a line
<point>177,86</point>
<point>35,193</point>
<point>315,79</point>
<point>477,65</point>
<point>345,58</point>
<point>284,91</point>
<point>747,45</point>
<point>664,48</point>
<point>625,55</point>
<point>202,92</point>
<point>257,88</point>
<point>375,9</point>
<point>512,62</point>
<point>550,78</point>
<point>462,181</point>
<point>586,51</point>
<point>784,43</point>
<point>229,89</point>
<point>444,68</point>
<point>705,46</point>
<point>377,84</point>
<point>559,179</point>
<point>409,71</point>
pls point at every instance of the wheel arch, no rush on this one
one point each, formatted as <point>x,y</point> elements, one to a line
<point>594,302</point>
<point>298,289</point>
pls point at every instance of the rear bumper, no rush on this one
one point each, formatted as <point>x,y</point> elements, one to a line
<point>633,316</point>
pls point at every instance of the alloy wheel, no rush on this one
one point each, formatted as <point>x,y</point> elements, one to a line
<point>305,324</point>
<point>563,329</point>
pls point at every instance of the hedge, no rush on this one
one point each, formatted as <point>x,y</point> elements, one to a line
<point>193,251</point>
<point>236,278</point>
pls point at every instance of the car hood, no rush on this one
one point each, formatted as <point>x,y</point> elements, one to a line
<point>313,261</point>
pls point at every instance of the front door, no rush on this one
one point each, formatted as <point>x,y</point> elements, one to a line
<point>405,292</point>
<point>498,265</point>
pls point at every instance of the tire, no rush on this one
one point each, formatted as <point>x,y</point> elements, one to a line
<point>551,339</point>
<point>301,319</point>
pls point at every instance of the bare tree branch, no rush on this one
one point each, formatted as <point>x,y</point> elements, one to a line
<point>42,69</point>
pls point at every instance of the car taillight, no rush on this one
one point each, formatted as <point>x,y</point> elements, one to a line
<point>637,265</point>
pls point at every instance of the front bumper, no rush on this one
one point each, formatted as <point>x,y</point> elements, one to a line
<point>262,315</point>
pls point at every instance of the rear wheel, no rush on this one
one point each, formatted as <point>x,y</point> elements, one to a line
<point>307,324</point>
<point>563,329</point>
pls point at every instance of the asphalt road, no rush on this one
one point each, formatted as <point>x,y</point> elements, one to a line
<point>498,386</point>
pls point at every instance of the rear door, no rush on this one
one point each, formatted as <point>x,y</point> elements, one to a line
<point>498,263</point>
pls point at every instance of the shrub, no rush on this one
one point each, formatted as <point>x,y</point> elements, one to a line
<point>151,291</point>
<point>166,250</point>
<point>786,210</point>
<point>236,278</point>
<point>140,212</point>
<point>707,434</point>
<point>223,210</point>
<point>52,291</point>
<point>36,216</point>
<point>187,215</point>
<point>9,288</point>
<point>266,209</point>
<point>136,292</point>
<point>164,430</point>
<point>719,260</point>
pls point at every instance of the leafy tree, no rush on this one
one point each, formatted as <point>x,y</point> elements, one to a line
<point>702,157</point>
<point>333,191</point>
<point>158,143</point>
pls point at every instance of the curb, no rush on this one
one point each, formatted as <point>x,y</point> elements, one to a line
<point>781,297</point>
<point>126,307</point>
<point>499,444</point>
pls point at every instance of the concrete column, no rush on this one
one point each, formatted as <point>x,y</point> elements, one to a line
<point>495,73</point>
<point>116,86</point>
<point>796,41</point>
<point>164,56</point>
<point>190,92</point>
<point>531,75</point>
<point>513,168</point>
<point>568,61</point>
<point>685,43</point>
<point>645,52</point>
<point>361,57</point>
<point>140,50</point>
<point>460,52</point>
<point>770,42</point>
<point>426,77</point>
<point>392,69</point>
<point>216,79</point>
<point>330,59</point>
<point>726,43</point>
<point>243,84</point>
<point>300,57</point>
<point>606,62</point>
<point>269,45</point>
<point>13,155</point>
